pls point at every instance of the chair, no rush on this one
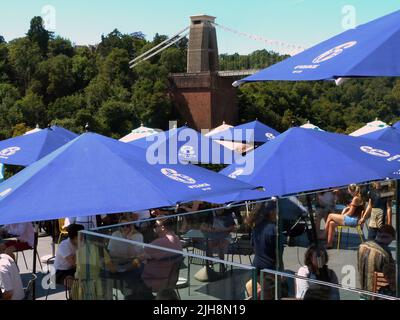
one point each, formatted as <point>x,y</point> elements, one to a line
<point>240,247</point>
<point>29,287</point>
<point>340,229</point>
<point>379,282</point>
<point>62,231</point>
<point>23,256</point>
<point>173,278</point>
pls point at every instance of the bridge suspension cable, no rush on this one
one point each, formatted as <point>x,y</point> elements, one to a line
<point>289,48</point>
<point>161,47</point>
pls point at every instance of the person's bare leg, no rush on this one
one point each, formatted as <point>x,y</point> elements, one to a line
<point>330,234</point>
<point>334,221</point>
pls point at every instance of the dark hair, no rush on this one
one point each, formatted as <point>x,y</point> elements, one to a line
<point>73,230</point>
<point>321,252</point>
<point>263,213</point>
<point>167,223</point>
<point>387,229</point>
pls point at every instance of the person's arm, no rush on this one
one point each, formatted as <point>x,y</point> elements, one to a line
<point>71,259</point>
<point>389,212</point>
<point>367,213</point>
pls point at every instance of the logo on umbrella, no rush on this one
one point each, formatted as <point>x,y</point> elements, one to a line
<point>174,175</point>
<point>187,152</point>
<point>5,153</point>
<point>236,173</point>
<point>270,136</point>
<point>375,152</point>
<point>334,52</point>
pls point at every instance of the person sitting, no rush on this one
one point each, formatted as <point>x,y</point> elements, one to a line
<point>158,263</point>
<point>316,260</point>
<point>219,233</point>
<point>374,255</point>
<point>11,287</point>
<point>326,201</point>
<point>25,234</point>
<point>379,210</point>
<point>65,261</point>
<point>389,272</point>
<point>349,216</point>
<point>122,253</point>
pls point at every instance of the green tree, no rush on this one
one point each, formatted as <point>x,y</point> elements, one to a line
<point>39,35</point>
<point>116,117</point>
<point>24,56</point>
<point>32,109</point>
<point>62,46</point>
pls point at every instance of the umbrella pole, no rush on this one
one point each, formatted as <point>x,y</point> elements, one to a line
<point>35,244</point>
<point>398,238</point>
<point>279,254</point>
<point>313,226</point>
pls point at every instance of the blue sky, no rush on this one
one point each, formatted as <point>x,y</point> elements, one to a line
<point>300,22</point>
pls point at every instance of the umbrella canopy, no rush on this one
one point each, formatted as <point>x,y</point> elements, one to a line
<point>252,132</point>
<point>98,175</point>
<point>370,50</point>
<point>310,126</point>
<point>25,150</point>
<point>397,125</point>
<point>139,133</point>
<point>369,128</point>
<point>219,129</point>
<point>302,160</point>
<point>389,134</point>
<point>37,129</point>
<point>238,147</point>
<point>186,145</point>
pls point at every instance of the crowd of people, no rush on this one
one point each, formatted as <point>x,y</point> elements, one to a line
<point>147,272</point>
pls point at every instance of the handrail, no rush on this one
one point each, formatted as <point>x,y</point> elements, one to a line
<point>148,245</point>
<point>328,284</point>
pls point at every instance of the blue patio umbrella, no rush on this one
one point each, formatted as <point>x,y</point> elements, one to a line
<point>249,132</point>
<point>370,50</point>
<point>186,145</point>
<point>397,125</point>
<point>302,160</point>
<point>94,174</point>
<point>26,149</point>
<point>389,134</point>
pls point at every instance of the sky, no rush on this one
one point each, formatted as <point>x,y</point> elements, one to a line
<point>292,22</point>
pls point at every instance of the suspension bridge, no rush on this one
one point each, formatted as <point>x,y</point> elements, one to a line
<point>240,70</point>
<point>204,95</point>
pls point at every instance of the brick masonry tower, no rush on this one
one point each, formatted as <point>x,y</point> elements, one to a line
<point>204,98</point>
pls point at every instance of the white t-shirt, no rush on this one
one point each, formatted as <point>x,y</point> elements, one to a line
<point>10,279</point>
<point>65,249</point>
<point>303,285</point>
<point>24,231</point>
<point>124,250</point>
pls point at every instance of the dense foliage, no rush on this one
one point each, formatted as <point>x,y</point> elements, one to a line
<point>45,79</point>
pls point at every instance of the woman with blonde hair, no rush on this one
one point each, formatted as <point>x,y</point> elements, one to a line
<point>349,216</point>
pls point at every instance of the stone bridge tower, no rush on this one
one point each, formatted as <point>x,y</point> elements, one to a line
<point>203,96</point>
